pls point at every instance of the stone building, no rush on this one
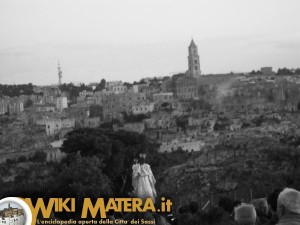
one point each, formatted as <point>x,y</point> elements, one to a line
<point>54,126</point>
<point>85,93</point>
<point>193,60</point>
<point>139,87</point>
<point>113,84</point>
<point>15,105</point>
<point>120,89</point>
<point>143,108</point>
<point>92,122</point>
<point>267,71</point>
<point>51,91</point>
<point>186,88</point>
<point>99,96</point>
<point>163,97</point>
<point>114,105</point>
<point>3,107</point>
<point>61,103</point>
<point>167,85</point>
<point>45,107</point>
<point>111,107</point>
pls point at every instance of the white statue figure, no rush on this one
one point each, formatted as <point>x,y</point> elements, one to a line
<point>143,180</point>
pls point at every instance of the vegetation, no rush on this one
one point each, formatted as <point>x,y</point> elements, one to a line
<point>135,118</point>
<point>253,72</point>
<point>73,90</point>
<point>201,104</point>
<point>28,103</point>
<point>101,85</point>
<point>285,71</point>
<point>117,149</point>
<point>16,90</point>
<point>99,163</point>
<point>96,111</point>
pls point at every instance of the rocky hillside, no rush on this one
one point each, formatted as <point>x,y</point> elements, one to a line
<point>236,166</point>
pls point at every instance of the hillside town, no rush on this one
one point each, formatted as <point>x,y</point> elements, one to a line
<point>207,135</point>
<point>13,216</point>
<point>187,111</point>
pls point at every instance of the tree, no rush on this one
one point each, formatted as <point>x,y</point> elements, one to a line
<point>38,156</point>
<point>116,149</point>
<point>101,85</point>
<point>73,90</point>
<point>297,71</point>
<point>28,103</point>
<point>16,90</point>
<point>182,122</point>
<point>253,72</point>
<point>298,106</point>
<point>96,111</point>
<point>128,85</point>
<point>284,71</point>
<point>83,178</point>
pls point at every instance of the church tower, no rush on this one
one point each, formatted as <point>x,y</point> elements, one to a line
<point>194,62</point>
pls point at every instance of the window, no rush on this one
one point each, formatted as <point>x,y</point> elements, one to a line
<point>195,60</point>
<point>196,67</point>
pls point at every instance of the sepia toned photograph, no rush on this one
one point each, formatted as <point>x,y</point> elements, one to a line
<point>190,108</point>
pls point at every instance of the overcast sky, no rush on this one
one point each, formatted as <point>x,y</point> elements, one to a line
<point>130,39</point>
<point>12,204</point>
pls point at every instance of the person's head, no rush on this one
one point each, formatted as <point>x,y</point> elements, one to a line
<point>245,215</point>
<point>226,204</point>
<point>288,202</point>
<point>272,200</point>
<point>260,205</point>
<point>194,207</point>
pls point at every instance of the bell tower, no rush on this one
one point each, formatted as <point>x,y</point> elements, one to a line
<point>193,59</point>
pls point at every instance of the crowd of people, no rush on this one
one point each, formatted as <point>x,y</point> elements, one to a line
<point>281,207</point>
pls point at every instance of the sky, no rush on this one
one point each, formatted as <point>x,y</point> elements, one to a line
<point>131,39</point>
<point>12,204</point>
